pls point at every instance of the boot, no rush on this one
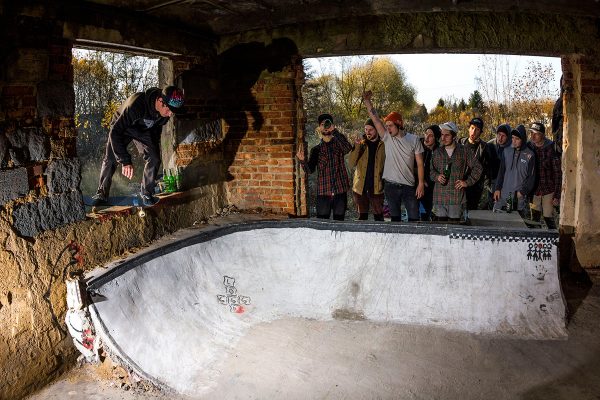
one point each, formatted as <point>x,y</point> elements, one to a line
<point>536,215</point>
<point>363,216</point>
<point>378,217</point>
<point>396,219</point>
<point>550,223</point>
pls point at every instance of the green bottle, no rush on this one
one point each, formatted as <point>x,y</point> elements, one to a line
<point>447,171</point>
<point>509,203</point>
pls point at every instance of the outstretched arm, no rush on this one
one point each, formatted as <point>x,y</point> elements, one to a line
<point>373,114</point>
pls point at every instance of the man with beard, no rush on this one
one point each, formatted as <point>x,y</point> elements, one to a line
<point>328,158</point>
<point>368,156</point>
<point>481,150</point>
<point>403,151</point>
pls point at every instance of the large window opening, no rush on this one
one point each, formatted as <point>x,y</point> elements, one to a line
<point>103,81</point>
<point>430,89</point>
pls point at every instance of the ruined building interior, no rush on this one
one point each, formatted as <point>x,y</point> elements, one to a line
<point>240,65</point>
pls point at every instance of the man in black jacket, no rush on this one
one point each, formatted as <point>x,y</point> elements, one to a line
<point>140,118</point>
<point>482,151</point>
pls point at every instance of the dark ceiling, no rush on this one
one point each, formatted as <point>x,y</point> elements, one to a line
<point>222,17</point>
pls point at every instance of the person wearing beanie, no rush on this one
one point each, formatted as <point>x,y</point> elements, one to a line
<point>496,148</point>
<point>480,149</point>
<point>430,142</point>
<point>403,151</point>
<point>139,119</point>
<point>327,158</point>
<point>516,177</point>
<point>368,157</point>
<point>546,194</point>
<point>453,169</point>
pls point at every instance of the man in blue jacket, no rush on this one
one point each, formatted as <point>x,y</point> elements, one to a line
<point>139,119</point>
<point>516,178</point>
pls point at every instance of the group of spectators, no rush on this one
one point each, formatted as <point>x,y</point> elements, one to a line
<point>436,177</point>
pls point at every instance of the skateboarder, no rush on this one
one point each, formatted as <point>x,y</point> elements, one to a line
<point>139,119</point>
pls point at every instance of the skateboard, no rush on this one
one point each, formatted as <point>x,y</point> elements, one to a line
<point>117,204</point>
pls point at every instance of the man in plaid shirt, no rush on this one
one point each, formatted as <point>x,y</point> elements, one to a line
<point>328,158</point>
<point>546,194</point>
<point>452,159</point>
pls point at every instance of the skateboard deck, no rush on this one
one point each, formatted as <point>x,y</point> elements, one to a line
<point>116,204</point>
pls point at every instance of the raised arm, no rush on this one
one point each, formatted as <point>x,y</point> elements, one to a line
<point>373,114</point>
<point>342,142</point>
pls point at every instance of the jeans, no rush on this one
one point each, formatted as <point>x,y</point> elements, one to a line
<point>337,203</point>
<point>396,194</point>
<point>149,147</point>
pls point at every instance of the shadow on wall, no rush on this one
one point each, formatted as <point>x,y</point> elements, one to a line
<point>239,70</point>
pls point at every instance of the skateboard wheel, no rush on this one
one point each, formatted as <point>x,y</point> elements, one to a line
<point>141,213</point>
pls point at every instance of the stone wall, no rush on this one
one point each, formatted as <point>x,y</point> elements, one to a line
<point>581,157</point>
<point>44,233</point>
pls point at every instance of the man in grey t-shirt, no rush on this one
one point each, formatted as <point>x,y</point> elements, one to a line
<point>402,152</point>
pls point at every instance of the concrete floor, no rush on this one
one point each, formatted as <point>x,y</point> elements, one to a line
<point>308,359</point>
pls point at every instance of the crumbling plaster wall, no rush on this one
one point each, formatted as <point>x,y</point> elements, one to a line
<point>34,344</point>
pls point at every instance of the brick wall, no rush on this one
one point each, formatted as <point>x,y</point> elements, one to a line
<point>263,168</point>
<point>244,119</point>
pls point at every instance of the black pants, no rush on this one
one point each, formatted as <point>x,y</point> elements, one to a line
<point>427,202</point>
<point>149,146</point>
<point>337,203</point>
<point>473,194</point>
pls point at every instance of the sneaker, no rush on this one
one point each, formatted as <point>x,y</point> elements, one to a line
<point>148,201</point>
<point>99,200</point>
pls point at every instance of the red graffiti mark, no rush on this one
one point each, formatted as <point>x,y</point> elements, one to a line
<point>239,310</point>
<point>87,339</point>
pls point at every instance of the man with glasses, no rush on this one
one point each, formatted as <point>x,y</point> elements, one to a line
<point>139,119</point>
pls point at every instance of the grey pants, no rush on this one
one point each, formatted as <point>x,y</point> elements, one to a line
<point>149,147</point>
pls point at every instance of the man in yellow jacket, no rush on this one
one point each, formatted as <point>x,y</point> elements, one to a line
<point>368,156</point>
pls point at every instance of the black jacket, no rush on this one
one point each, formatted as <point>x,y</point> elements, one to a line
<point>137,118</point>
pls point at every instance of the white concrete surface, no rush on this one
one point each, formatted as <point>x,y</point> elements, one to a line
<point>166,317</point>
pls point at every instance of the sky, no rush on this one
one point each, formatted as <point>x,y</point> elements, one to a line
<point>436,76</point>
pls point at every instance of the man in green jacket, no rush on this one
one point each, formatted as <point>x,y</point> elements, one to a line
<point>368,156</point>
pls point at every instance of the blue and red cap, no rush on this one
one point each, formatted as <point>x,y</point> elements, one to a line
<point>173,98</point>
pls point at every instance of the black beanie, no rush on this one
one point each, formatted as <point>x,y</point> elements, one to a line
<point>369,122</point>
<point>504,128</point>
<point>323,117</point>
<point>520,132</point>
